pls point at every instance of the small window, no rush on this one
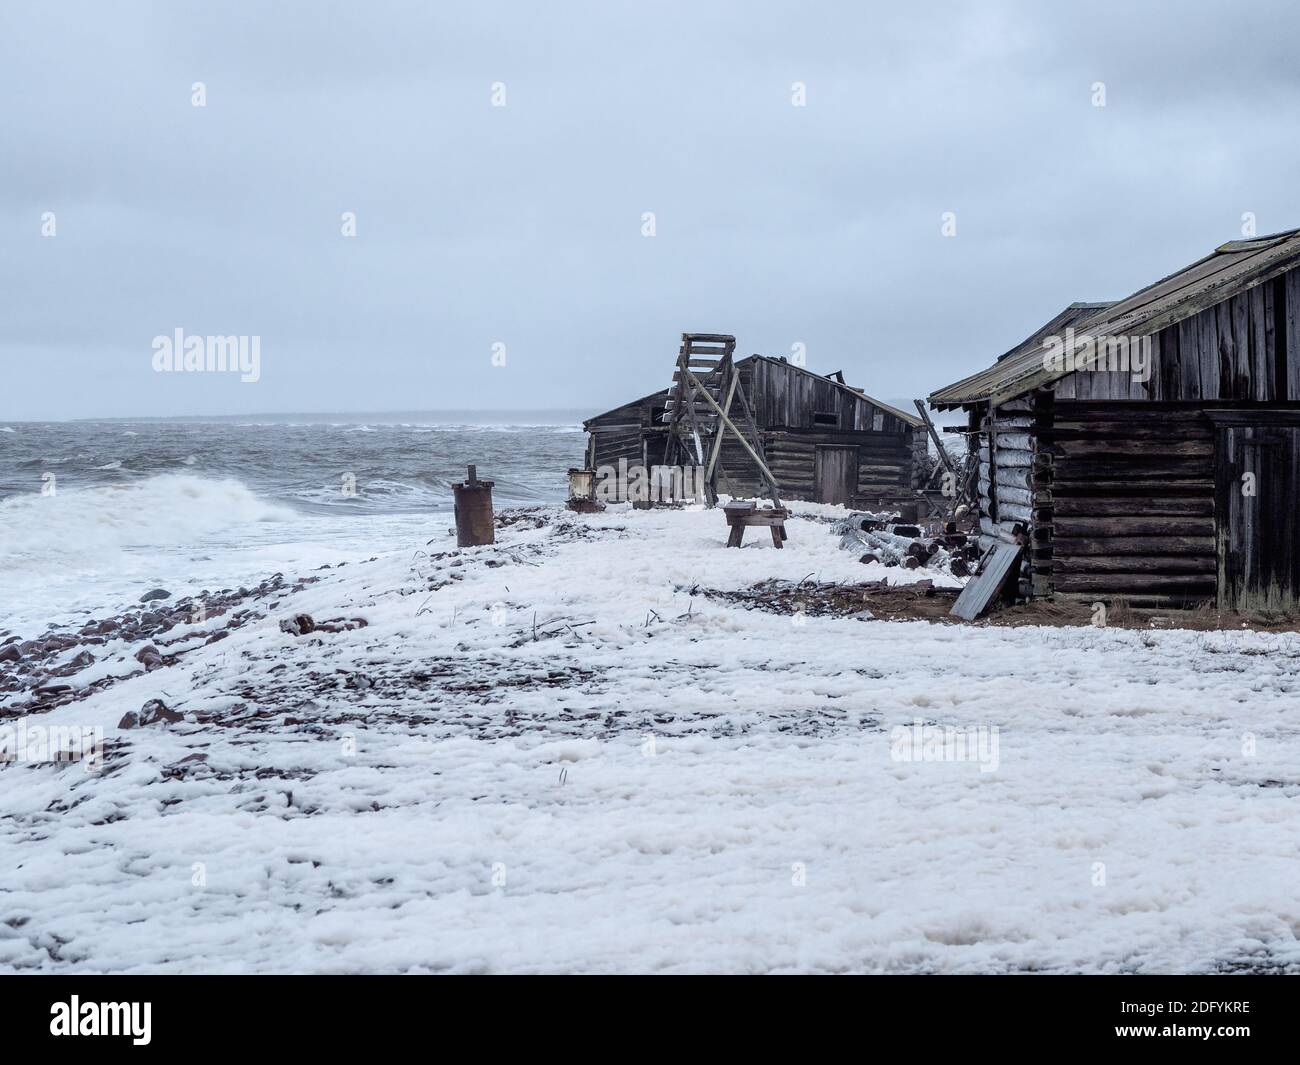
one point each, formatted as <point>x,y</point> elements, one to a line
<point>878,422</point>
<point>826,418</point>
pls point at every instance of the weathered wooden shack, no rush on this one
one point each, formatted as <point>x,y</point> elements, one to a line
<point>1149,448</point>
<point>823,440</point>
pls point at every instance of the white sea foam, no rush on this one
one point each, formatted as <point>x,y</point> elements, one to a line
<point>91,548</point>
<point>168,509</point>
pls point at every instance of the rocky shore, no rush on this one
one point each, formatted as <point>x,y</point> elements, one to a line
<point>65,665</point>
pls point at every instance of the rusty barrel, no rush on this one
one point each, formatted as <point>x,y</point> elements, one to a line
<point>474,519</point>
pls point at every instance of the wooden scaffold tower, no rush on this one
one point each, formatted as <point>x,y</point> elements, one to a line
<point>706,384</point>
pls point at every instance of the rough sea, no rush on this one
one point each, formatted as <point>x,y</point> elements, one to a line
<point>95,513</point>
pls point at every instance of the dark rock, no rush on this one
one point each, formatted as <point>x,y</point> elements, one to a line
<point>298,625</point>
<point>150,657</point>
<point>77,664</point>
<point>49,688</point>
<point>10,653</point>
<point>157,593</point>
<point>220,635</point>
<point>154,712</point>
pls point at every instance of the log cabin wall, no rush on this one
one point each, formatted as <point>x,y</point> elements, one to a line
<point>797,412</point>
<point>1009,476</point>
<point>1170,487</point>
<point>1134,493</point>
<point>1132,502</point>
<point>884,464</point>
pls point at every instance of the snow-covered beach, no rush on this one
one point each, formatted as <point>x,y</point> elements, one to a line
<point>563,753</point>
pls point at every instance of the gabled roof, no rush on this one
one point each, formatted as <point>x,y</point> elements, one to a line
<point>911,419</point>
<point>1230,268</point>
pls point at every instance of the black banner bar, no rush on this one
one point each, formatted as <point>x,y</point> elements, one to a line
<point>336,1013</point>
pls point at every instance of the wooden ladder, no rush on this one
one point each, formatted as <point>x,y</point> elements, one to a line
<point>705,385</point>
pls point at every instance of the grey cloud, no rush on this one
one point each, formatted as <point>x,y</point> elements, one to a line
<point>780,224</point>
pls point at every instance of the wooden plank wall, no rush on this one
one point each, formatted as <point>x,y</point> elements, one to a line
<point>786,397</point>
<point>1132,502</point>
<point>1247,347</point>
<point>620,433</point>
<point>1259,530</point>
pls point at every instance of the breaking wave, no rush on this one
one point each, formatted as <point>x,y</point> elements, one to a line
<point>94,522</point>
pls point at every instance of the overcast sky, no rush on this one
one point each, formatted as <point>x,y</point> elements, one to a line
<point>523,225</point>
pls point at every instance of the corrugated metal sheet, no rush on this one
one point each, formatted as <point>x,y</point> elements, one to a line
<point>1230,268</point>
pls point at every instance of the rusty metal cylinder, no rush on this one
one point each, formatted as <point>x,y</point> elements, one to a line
<point>475,522</point>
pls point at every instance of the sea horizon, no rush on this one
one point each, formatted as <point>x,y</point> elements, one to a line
<point>431,416</point>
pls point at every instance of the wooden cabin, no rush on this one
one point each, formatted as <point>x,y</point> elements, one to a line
<point>1172,486</point>
<point>823,440</point>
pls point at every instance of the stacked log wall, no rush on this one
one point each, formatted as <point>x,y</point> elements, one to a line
<point>1008,479</point>
<point>1132,502</point>
<point>885,464</point>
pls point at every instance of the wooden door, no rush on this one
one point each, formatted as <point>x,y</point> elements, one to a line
<point>1257,499</point>
<point>836,474</point>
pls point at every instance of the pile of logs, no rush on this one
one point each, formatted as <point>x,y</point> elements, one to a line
<point>879,539</point>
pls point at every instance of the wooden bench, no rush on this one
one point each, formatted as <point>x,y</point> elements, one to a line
<point>742,515</point>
